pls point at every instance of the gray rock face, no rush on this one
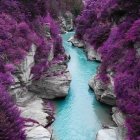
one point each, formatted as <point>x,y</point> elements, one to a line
<point>32,109</point>
<point>104,93</point>
<point>107,134</point>
<point>137,47</point>
<point>119,118</point>
<point>69,21</point>
<point>48,87</point>
<point>29,103</point>
<point>62,23</point>
<point>112,133</point>
<point>77,43</point>
<point>53,86</point>
<point>91,53</point>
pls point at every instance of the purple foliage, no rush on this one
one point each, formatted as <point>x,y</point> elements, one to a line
<point>23,23</point>
<point>98,35</point>
<point>33,23</point>
<point>114,32</point>
<point>13,48</point>
<point>11,124</point>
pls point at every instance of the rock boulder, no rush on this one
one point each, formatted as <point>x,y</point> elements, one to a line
<point>32,110</point>
<point>104,93</point>
<point>107,134</point>
<point>55,86</point>
<point>37,132</point>
<point>52,87</point>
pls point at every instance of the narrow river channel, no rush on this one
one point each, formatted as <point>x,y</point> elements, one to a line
<point>79,116</point>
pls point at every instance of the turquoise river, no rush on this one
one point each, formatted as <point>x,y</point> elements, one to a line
<point>79,116</point>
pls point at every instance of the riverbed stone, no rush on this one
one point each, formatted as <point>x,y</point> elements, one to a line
<point>77,43</point>
<point>69,21</point>
<point>37,132</point>
<point>22,75</point>
<point>66,22</point>
<point>107,134</point>
<point>104,93</point>
<point>62,23</point>
<point>118,116</point>
<point>34,110</point>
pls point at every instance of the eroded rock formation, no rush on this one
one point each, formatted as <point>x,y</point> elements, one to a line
<point>90,51</point>
<point>66,22</point>
<point>104,92</point>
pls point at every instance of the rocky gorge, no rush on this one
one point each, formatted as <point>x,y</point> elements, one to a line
<point>33,97</point>
<point>56,85</point>
<point>69,70</point>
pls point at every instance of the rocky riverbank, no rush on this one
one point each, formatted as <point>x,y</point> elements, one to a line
<point>104,94</point>
<point>29,96</point>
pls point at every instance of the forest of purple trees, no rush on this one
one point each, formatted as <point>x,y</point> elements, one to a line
<point>112,28</point>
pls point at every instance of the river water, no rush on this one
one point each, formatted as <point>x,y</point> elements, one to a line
<point>79,116</point>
